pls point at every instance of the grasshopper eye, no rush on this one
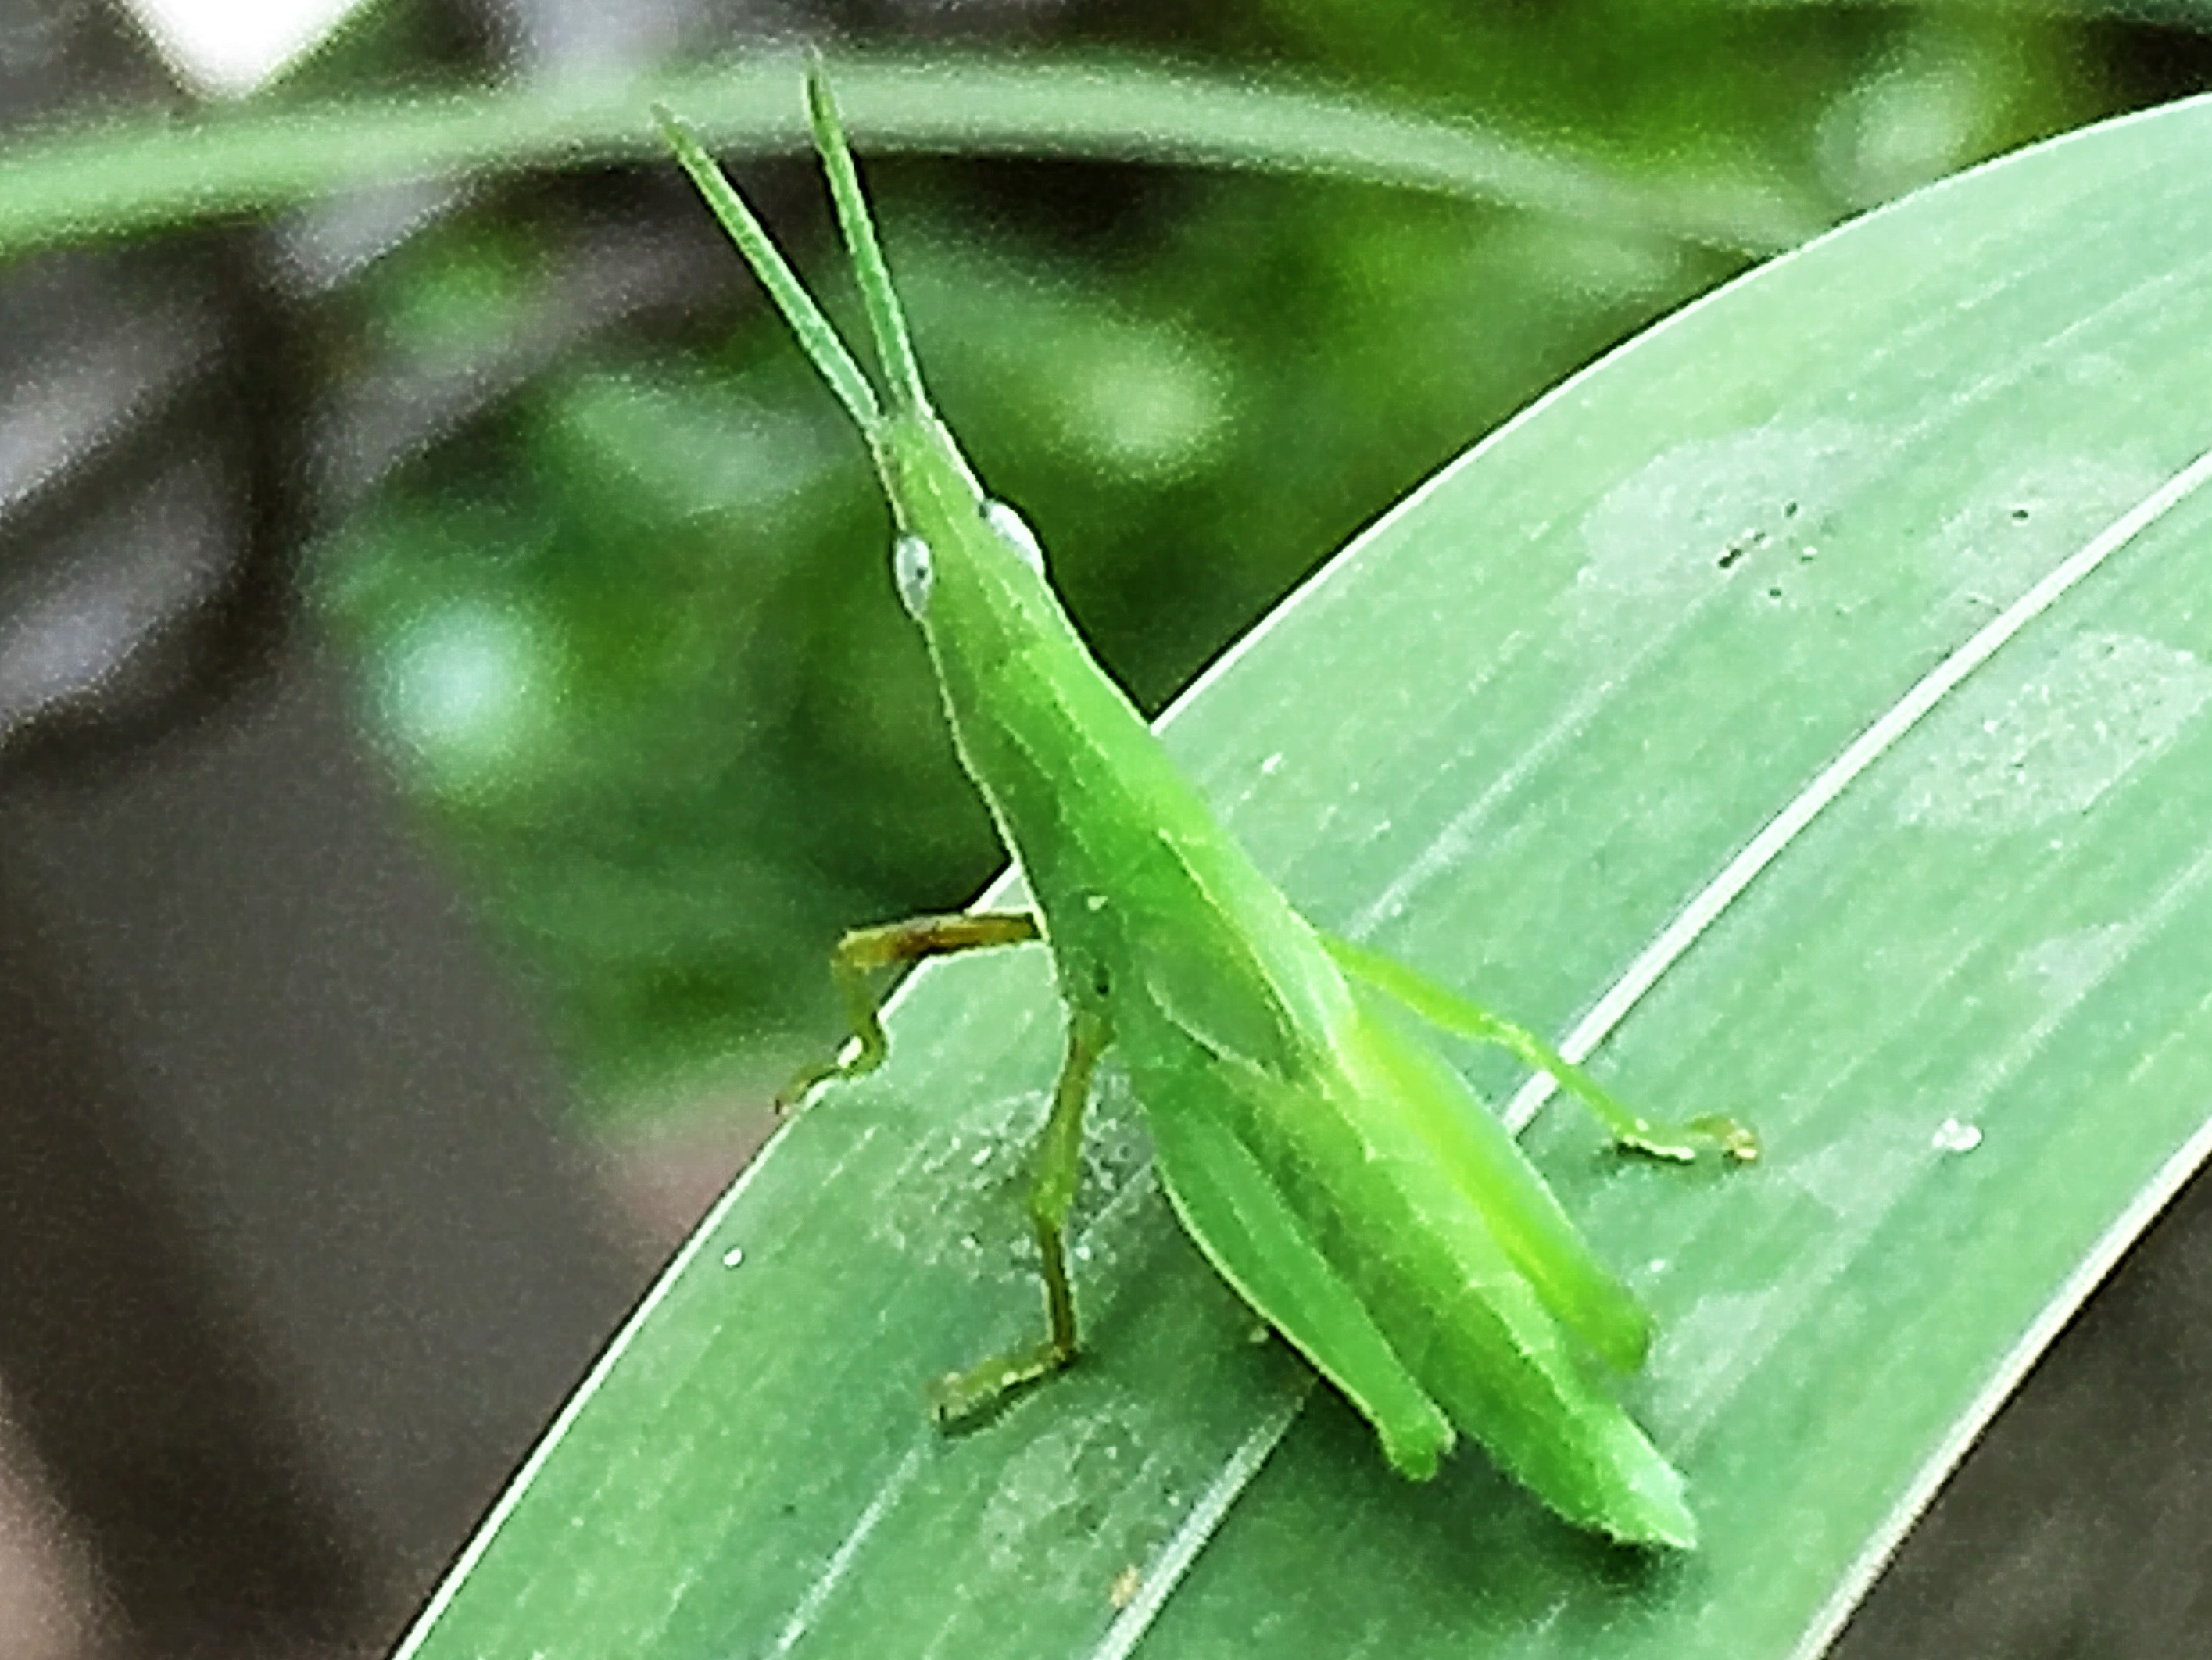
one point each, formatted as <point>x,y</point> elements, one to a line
<point>912,570</point>
<point>1014,530</point>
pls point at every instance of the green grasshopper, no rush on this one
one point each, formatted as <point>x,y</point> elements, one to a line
<point>1337,1172</point>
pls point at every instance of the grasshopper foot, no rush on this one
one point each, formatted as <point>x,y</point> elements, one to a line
<point>1683,1143</point>
<point>792,1096</point>
<point>966,1399</point>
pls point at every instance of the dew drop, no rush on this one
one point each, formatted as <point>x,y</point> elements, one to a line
<point>1954,1136</point>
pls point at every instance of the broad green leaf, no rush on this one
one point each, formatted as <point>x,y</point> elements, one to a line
<point>1817,695</point>
<point>116,177</point>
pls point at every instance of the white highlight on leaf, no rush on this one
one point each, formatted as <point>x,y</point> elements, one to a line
<point>1691,514</point>
<point>1701,1353</point>
<point>1059,1494</point>
<point>955,1173</point>
<point>1737,505</point>
<point>2025,516</point>
<point>2050,748</point>
<point>1930,690</point>
<point>841,1560</point>
<point>1702,1357</point>
<point>1165,1571</point>
<point>2064,967</point>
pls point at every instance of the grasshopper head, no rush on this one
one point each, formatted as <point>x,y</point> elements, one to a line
<point>953,540</point>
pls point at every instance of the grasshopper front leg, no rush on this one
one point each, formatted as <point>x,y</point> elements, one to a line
<point>860,956</point>
<point>962,1395</point>
<point>864,952</point>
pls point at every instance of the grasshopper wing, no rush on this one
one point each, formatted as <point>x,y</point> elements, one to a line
<point>1229,1018</point>
<point>1471,1144</point>
<point>1330,1207</point>
<point>1258,1244</point>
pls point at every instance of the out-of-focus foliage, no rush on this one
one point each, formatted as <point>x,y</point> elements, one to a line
<point>632,640</point>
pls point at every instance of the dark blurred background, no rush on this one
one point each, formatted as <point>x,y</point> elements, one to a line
<point>451,696</point>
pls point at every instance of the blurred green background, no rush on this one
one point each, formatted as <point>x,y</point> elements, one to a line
<point>627,633</point>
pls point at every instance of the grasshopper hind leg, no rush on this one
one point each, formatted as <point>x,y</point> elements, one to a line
<point>1632,1132</point>
<point>961,1399</point>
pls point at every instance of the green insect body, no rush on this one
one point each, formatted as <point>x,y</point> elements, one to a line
<point>1338,1174</point>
